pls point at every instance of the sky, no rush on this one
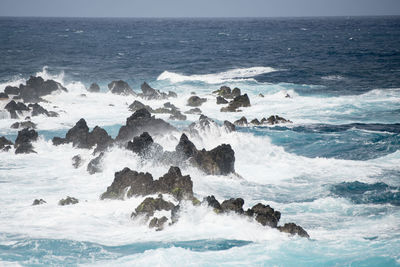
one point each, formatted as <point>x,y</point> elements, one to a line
<point>198,8</point>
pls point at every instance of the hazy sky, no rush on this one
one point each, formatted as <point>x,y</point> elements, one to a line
<point>197,8</point>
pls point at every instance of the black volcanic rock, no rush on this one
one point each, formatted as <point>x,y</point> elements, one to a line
<point>5,144</point>
<point>68,201</point>
<point>94,88</point>
<point>173,182</point>
<point>221,100</point>
<point>237,102</point>
<point>230,127</point>
<point>195,101</point>
<point>158,223</point>
<point>142,121</point>
<point>136,105</point>
<point>293,229</point>
<point>150,205</point>
<point>195,111</point>
<point>77,161</point>
<point>23,143</point>
<point>274,119</point>
<point>23,124</point>
<point>11,90</point>
<point>265,215</point>
<point>38,202</point>
<point>36,87</point>
<point>241,122</point>
<point>15,108</point>
<point>150,93</point>
<point>213,202</point>
<point>233,204</point>
<point>39,110</point>
<point>227,93</point>
<point>120,88</point>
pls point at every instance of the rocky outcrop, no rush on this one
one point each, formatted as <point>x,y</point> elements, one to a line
<point>227,93</point>
<point>5,144</point>
<point>23,143</point>
<point>241,122</point>
<point>236,103</point>
<point>120,88</point>
<point>221,100</point>
<point>150,205</point>
<point>233,205</point>
<point>230,127</point>
<point>145,147</point>
<point>150,93</point>
<point>23,124</point>
<point>68,201</point>
<point>39,110</point>
<point>194,111</point>
<point>195,101</point>
<point>136,105</point>
<point>16,108</point>
<point>38,202</point>
<point>95,165</point>
<point>11,90</point>
<point>265,215</point>
<point>255,122</point>
<point>293,229</point>
<point>3,96</point>
<point>94,88</point>
<point>274,119</point>
<point>132,183</point>
<point>142,121</point>
<point>37,87</point>
<point>80,137</point>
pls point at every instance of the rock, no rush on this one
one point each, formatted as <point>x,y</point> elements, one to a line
<point>36,87</point>
<point>39,110</point>
<point>185,148</point>
<point>68,201</point>
<point>23,124</point>
<point>226,92</point>
<point>173,182</point>
<point>195,111</point>
<point>120,88</point>
<point>221,100</point>
<point>158,223</point>
<point>178,116</point>
<point>11,90</point>
<point>255,122</point>
<point>287,96</point>
<point>204,124</point>
<point>236,92</point>
<point>136,105</point>
<point>95,165</point>
<point>5,144</point>
<point>241,122</point>
<point>274,119</point>
<point>94,88</point>
<point>3,96</point>
<point>195,101</point>
<point>150,205</point>
<point>230,127</point>
<point>170,106</point>
<point>260,95</point>
<point>151,93</point>
<point>172,94</point>
<point>140,143</point>
<point>141,121</point>
<point>23,142</point>
<point>38,202</point>
<point>77,161</point>
<point>293,229</point>
<point>15,108</point>
<point>175,214</point>
<point>233,204</point>
<point>214,203</point>
<point>193,93</point>
<point>80,137</point>
<point>140,184</point>
<point>237,102</point>
<point>265,215</point>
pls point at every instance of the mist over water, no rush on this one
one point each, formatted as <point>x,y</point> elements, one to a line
<point>335,170</point>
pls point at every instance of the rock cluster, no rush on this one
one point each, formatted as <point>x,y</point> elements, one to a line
<point>150,93</point>
<point>23,143</point>
<point>68,201</point>
<point>226,92</point>
<point>36,88</point>
<point>94,88</point>
<point>272,120</point>
<point>236,103</point>
<point>17,109</point>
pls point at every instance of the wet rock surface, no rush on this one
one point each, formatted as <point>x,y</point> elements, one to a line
<point>23,143</point>
<point>236,103</point>
<point>195,101</point>
<point>37,87</point>
<point>68,201</point>
<point>16,108</point>
<point>152,94</point>
<point>23,124</point>
<point>120,88</point>
<point>227,93</point>
<point>5,144</point>
<point>94,88</point>
<point>38,202</point>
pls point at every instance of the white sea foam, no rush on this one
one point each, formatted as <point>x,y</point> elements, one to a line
<point>243,74</point>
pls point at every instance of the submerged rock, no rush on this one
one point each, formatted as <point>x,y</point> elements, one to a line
<point>37,87</point>
<point>120,88</point>
<point>23,143</point>
<point>275,119</point>
<point>195,101</point>
<point>94,88</point>
<point>68,201</point>
<point>38,202</point>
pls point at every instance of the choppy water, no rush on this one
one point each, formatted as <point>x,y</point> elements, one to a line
<point>335,170</point>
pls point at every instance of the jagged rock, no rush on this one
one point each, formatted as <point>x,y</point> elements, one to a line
<point>195,101</point>
<point>287,96</point>
<point>142,121</point>
<point>94,88</point>
<point>158,223</point>
<point>241,122</point>
<point>150,205</point>
<point>185,148</point>
<point>265,215</point>
<point>230,127</point>
<point>95,165</point>
<point>204,124</point>
<point>233,204</point>
<point>3,96</point>
<point>221,100</point>
<point>237,102</point>
<point>80,136</point>
<point>77,161</point>
<point>236,92</point>
<point>140,143</point>
<point>255,122</point>
<point>260,95</point>
<point>23,124</point>
<point>214,203</point>
<point>38,202</point>
<point>11,90</point>
<point>136,105</point>
<point>23,142</point>
<point>68,201</point>
<point>133,183</point>
<point>120,88</point>
<point>172,94</point>
<point>195,111</point>
<point>39,110</point>
<point>151,93</point>
<point>275,119</point>
<point>293,229</point>
<point>170,106</point>
<point>5,144</point>
<point>36,87</point>
<point>15,108</point>
<point>226,92</point>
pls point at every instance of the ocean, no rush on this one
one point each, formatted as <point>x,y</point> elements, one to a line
<point>335,170</point>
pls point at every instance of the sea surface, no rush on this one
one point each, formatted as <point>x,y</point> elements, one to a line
<point>335,170</point>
